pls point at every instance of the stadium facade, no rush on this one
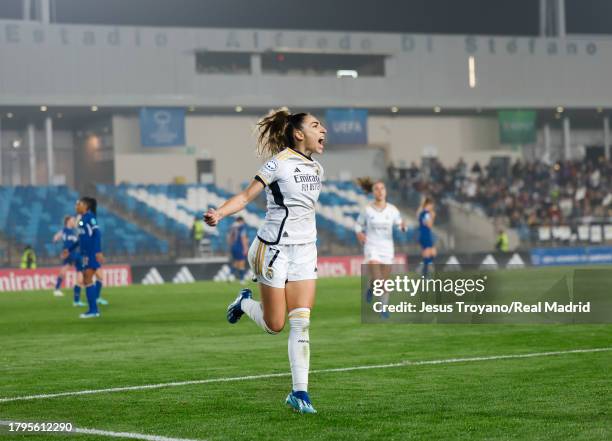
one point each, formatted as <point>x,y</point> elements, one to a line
<point>426,94</point>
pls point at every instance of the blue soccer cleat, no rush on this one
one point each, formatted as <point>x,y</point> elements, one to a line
<point>300,402</point>
<point>101,301</point>
<point>88,315</point>
<point>385,315</point>
<point>234,312</point>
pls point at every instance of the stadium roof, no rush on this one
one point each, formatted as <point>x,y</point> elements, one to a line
<point>518,17</point>
<point>490,17</point>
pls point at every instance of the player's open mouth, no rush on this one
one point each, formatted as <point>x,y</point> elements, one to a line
<point>322,141</point>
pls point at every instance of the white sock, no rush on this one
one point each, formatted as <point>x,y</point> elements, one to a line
<point>253,309</point>
<point>299,347</point>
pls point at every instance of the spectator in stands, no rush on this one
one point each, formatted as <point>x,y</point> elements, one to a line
<point>527,195</point>
<point>28,259</point>
<point>197,232</point>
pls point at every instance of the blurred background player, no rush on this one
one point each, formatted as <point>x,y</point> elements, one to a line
<point>426,216</point>
<point>239,245</point>
<point>70,256</point>
<point>284,254</point>
<point>374,229</point>
<point>91,251</point>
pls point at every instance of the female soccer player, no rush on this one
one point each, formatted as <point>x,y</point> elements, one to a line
<point>238,242</point>
<point>91,251</point>
<point>427,215</point>
<point>374,230</point>
<point>283,257</point>
<point>70,256</point>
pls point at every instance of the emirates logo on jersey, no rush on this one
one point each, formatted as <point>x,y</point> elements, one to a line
<point>300,179</point>
<point>308,182</point>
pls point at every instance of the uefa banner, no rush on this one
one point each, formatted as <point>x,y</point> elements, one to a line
<point>162,127</point>
<point>44,278</point>
<point>517,126</point>
<point>347,126</point>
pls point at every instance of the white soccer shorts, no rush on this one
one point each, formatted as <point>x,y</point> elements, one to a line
<point>275,265</point>
<point>378,254</point>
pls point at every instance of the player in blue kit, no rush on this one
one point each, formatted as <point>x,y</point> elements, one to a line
<point>91,251</point>
<point>427,216</point>
<point>70,256</point>
<point>239,246</point>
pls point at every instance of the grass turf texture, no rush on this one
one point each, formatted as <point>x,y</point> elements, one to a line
<point>158,334</point>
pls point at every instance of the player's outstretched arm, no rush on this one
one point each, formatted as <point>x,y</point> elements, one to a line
<point>360,228</point>
<point>233,204</point>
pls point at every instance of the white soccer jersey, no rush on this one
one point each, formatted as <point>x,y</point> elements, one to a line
<point>293,184</point>
<point>378,226</point>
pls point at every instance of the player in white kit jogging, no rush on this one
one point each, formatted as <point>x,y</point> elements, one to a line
<point>283,256</point>
<point>374,230</point>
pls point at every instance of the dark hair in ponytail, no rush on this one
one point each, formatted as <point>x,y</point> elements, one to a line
<point>92,204</point>
<point>367,184</point>
<point>276,131</point>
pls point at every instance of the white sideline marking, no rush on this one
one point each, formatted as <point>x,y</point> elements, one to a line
<point>287,374</point>
<point>110,434</point>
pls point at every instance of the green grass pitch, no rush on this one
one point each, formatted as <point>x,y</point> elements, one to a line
<point>160,334</point>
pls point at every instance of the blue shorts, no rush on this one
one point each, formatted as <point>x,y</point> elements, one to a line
<point>73,258</point>
<point>90,262</point>
<point>78,263</point>
<point>238,253</point>
<point>426,241</point>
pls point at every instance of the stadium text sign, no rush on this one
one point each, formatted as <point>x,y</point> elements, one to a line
<point>33,33</point>
<point>44,278</point>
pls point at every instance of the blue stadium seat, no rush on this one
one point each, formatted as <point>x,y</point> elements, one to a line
<point>32,215</point>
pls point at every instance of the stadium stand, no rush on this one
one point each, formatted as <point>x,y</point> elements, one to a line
<point>32,215</point>
<point>172,208</point>
<point>565,202</point>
